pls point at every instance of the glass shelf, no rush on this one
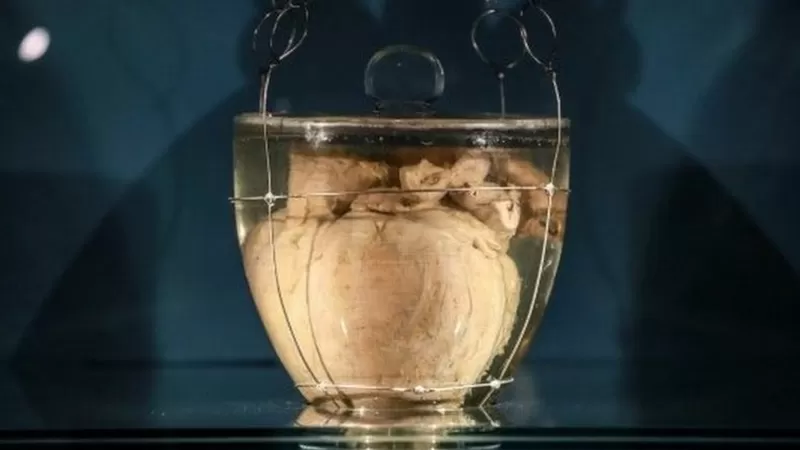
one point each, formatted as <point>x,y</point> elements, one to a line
<point>551,402</point>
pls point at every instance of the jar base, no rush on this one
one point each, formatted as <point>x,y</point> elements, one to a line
<point>420,417</point>
<point>385,403</point>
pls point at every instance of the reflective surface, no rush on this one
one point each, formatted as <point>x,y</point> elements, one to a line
<point>549,399</point>
<point>407,262</point>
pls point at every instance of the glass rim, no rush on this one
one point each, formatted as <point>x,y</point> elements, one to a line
<point>485,122</point>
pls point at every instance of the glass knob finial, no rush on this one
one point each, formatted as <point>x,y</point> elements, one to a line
<point>401,75</point>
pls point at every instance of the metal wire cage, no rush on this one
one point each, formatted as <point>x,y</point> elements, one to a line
<point>400,261</point>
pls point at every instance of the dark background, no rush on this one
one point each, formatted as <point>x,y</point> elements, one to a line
<point>118,243</point>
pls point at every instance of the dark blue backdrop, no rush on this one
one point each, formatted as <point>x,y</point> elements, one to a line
<point>118,242</point>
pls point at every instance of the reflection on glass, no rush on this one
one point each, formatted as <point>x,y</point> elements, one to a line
<point>370,429</point>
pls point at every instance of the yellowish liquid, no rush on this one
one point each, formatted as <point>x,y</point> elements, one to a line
<point>370,320</point>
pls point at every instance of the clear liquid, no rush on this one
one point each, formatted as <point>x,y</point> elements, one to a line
<point>375,296</point>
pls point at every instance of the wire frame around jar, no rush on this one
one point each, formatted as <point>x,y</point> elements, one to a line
<point>488,136</point>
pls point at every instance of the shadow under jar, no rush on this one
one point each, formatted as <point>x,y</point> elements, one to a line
<point>400,262</point>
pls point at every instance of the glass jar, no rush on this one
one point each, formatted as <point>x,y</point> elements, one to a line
<point>400,262</point>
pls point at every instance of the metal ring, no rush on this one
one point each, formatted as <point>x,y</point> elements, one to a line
<point>548,64</point>
<point>523,34</point>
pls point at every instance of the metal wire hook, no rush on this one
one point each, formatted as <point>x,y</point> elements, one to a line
<point>547,65</point>
<point>297,24</point>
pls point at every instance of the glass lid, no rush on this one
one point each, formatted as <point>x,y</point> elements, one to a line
<point>403,82</point>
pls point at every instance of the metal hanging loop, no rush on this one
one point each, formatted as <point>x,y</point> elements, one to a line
<point>291,17</point>
<point>549,64</point>
<point>499,67</point>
